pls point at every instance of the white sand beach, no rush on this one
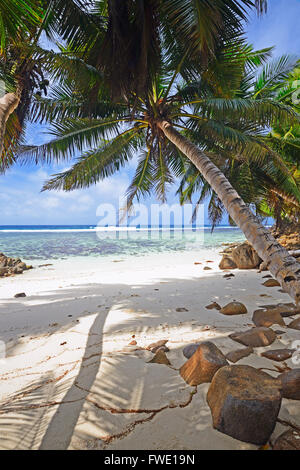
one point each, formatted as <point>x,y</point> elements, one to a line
<point>70,379</point>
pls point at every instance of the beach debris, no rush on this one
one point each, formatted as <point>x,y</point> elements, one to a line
<point>53,324</point>
<point>234,308</point>
<point>227,263</point>
<point>295,325</point>
<point>160,358</point>
<point>213,306</point>
<point>207,268</point>
<point>255,338</point>
<point>203,364</point>
<point>11,266</point>
<point>63,344</point>
<point>153,347</point>
<point>133,343</point>
<point>289,440</point>
<point>290,382</point>
<point>197,263</point>
<point>278,355</point>
<point>244,403</point>
<point>267,318</point>
<point>271,283</point>
<point>238,354</point>
<point>21,294</point>
<point>181,309</point>
<point>45,265</point>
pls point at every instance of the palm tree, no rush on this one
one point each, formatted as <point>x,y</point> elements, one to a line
<point>16,21</point>
<point>170,123</point>
<point>269,188</point>
<point>24,64</point>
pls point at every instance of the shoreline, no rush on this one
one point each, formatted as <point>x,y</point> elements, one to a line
<point>68,357</point>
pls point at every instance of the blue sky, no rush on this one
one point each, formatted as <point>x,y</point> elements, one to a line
<point>22,203</point>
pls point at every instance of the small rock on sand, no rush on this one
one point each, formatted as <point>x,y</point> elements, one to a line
<point>203,364</point>
<point>255,338</point>
<point>21,294</point>
<point>278,355</point>
<point>213,306</point>
<point>271,283</point>
<point>267,318</point>
<point>153,347</point>
<point>160,358</point>
<point>295,325</point>
<point>235,356</point>
<point>190,349</point>
<point>234,308</point>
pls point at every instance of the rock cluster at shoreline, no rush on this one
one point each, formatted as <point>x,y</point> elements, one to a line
<point>244,256</point>
<point>12,266</point>
<point>240,256</point>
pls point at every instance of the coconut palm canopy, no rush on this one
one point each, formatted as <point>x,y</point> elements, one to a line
<point>218,112</point>
<point>123,39</point>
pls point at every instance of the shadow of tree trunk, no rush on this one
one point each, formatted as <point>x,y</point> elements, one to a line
<point>61,427</point>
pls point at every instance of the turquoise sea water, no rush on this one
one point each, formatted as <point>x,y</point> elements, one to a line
<point>59,242</point>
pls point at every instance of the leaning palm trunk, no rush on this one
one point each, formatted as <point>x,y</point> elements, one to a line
<point>281,264</point>
<point>8,103</point>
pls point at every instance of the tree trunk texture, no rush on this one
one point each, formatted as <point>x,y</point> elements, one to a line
<point>8,103</point>
<point>282,265</point>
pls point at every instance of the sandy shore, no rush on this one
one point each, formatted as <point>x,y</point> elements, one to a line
<point>70,379</point>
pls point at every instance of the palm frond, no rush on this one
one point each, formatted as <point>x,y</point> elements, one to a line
<point>98,163</point>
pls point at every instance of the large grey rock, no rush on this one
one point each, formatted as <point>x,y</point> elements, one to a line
<point>244,403</point>
<point>190,349</point>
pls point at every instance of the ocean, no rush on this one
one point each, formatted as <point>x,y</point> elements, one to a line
<point>46,242</point>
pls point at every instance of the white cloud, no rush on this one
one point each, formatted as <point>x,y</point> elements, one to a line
<point>23,203</point>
